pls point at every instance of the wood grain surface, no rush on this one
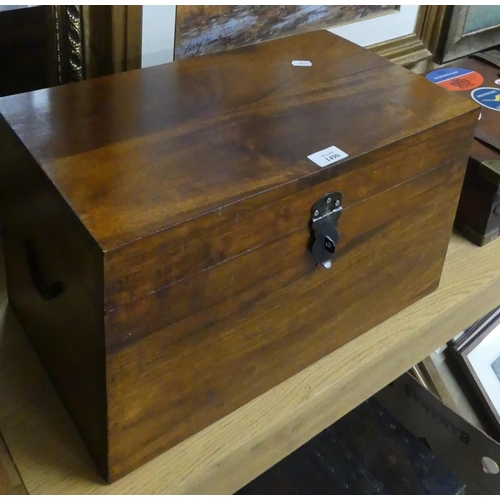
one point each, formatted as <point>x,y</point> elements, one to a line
<point>214,357</point>
<point>239,325</point>
<point>131,170</point>
<point>135,271</point>
<point>178,227</point>
<point>222,458</point>
<point>68,331</point>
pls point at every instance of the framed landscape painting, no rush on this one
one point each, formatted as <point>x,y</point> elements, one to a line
<point>203,29</point>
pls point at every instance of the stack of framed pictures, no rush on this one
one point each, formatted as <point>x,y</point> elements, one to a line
<point>477,350</point>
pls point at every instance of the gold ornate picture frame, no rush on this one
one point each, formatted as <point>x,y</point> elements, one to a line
<point>93,40</point>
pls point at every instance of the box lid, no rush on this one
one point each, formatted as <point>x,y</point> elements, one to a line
<point>141,151</point>
<point>189,146</point>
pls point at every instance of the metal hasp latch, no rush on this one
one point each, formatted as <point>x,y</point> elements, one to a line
<point>325,214</point>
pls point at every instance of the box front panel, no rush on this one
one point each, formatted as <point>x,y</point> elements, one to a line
<point>268,185</point>
<point>178,380</point>
<point>189,257</point>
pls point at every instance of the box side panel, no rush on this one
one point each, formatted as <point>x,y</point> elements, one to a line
<point>149,264</point>
<point>53,305</point>
<point>180,379</point>
<point>20,174</point>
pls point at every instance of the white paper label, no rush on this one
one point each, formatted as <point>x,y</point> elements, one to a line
<point>497,81</point>
<point>302,63</point>
<point>328,156</point>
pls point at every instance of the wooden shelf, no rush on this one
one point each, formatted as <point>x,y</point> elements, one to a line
<point>51,459</point>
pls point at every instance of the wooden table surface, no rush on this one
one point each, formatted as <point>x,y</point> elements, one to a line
<point>50,458</point>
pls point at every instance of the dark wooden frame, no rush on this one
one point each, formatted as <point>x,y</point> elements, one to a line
<point>449,42</point>
<point>112,38</point>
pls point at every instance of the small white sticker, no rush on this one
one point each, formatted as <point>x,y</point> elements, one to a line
<point>302,63</point>
<point>328,156</point>
<point>497,81</point>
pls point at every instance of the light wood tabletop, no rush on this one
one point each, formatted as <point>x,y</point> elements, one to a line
<point>50,458</point>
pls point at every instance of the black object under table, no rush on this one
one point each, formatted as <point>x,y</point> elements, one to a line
<point>366,452</point>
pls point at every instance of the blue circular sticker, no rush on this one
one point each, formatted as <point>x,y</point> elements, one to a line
<point>455,79</point>
<point>489,97</point>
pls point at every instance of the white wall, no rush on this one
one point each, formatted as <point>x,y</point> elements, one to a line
<point>158,27</point>
<point>380,29</point>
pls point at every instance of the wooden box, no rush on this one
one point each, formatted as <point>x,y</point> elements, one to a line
<point>158,227</point>
<point>478,212</point>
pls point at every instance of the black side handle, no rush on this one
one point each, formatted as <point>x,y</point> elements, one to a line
<point>46,291</point>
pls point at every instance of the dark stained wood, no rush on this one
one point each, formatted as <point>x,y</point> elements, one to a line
<point>173,204</point>
<point>246,145</point>
<point>148,264</point>
<point>268,224</point>
<point>68,331</point>
<point>207,120</point>
<point>477,217</point>
<point>171,383</point>
<point>21,177</point>
<point>175,97</point>
<point>24,50</point>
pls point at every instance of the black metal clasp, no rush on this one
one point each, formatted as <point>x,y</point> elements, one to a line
<point>325,214</point>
